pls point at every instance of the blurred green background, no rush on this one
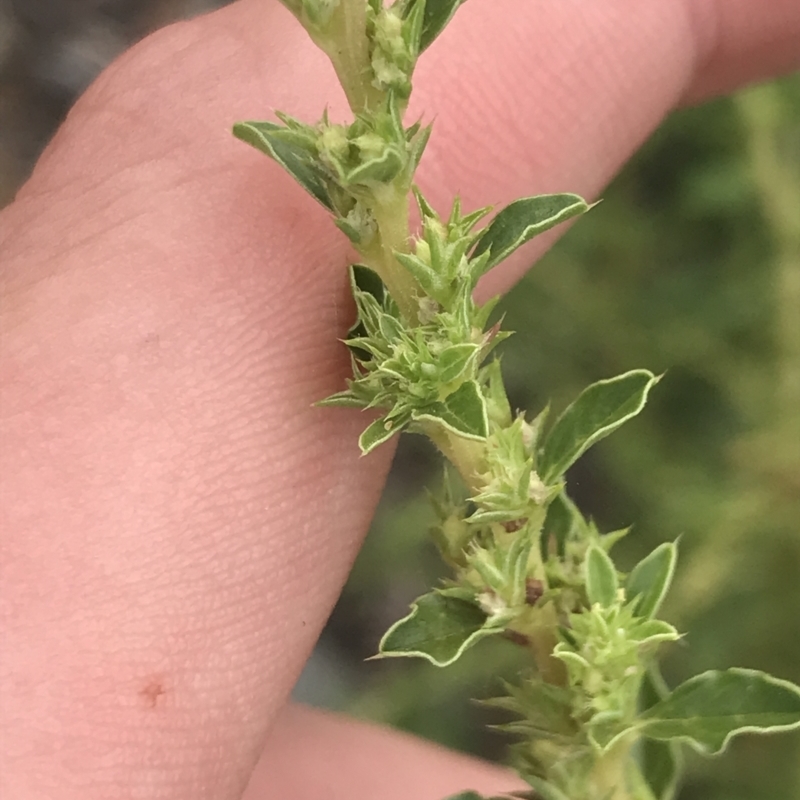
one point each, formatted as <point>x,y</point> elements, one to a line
<point>691,265</point>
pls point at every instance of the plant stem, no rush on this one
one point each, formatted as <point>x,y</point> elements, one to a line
<point>466,455</point>
<point>543,638</point>
<point>347,46</point>
<point>390,211</point>
<point>609,777</point>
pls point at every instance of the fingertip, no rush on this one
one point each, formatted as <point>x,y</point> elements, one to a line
<point>313,754</point>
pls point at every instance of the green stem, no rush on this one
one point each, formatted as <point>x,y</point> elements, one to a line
<point>347,45</point>
<point>616,777</point>
<point>466,455</point>
<point>540,630</point>
<point>390,211</point>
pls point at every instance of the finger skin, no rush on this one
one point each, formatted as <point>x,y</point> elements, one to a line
<point>312,754</point>
<point>178,519</point>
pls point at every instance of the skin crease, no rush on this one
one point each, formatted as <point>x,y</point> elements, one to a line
<point>177,519</point>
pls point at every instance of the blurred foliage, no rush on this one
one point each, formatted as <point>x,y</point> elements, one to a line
<point>691,265</point>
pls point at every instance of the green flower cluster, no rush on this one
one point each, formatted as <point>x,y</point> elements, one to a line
<point>347,168</point>
<point>428,375</point>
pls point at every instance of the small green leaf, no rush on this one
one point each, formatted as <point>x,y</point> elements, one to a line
<point>563,522</point>
<point>440,628</point>
<point>650,579</point>
<point>426,277</point>
<point>437,14</point>
<point>463,412</point>
<point>453,361</point>
<point>345,399</point>
<point>414,19</point>
<point>348,229</point>
<point>654,688</point>
<point>709,709</point>
<point>416,147</point>
<point>662,766</point>
<point>650,632</point>
<point>523,219</point>
<point>376,434</point>
<point>601,577</point>
<point>497,405</point>
<point>598,411</point>
<point>297,161</point>
<point>381,169</point>
<point>365,279</point>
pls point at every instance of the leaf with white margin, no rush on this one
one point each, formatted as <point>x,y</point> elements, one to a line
<point>376,434</point>
<point>650,579</point>
<point>298,162</point>
<point>437,14</point>
<point>463,412</point>
<point>440,628</point>
<point>661,762</point>
<point>601,577</point>
<point>598,411</point>
<point>520,221</point>
<point>708,710</point>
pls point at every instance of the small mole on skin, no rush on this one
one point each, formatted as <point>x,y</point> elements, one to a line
<point>151,692</point>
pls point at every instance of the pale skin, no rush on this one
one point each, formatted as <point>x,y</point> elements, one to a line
<point>177,519</point>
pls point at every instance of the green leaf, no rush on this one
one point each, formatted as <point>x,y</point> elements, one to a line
<point>426,277</point>
<point>437,14</point>
<point>709,709</point>
<point>416,147</point>
<point>297,161</point>
<point>601,577</point>
<point>345,399</point>
<point>654,688</point>
<point>453,361</point>
<point>523,219</point>
<point>463,412</point>
<point>662,766</point>
<point>563,522</point>
<point>414,19</point>
<point>376,434</point>
<point>650,579</point>
<point>381,169</point>
<point>440,628</point>
<point>497,405</point>
<point>598,411</point>
<point>661,762</point>
<point>649,633</point>
<point>365,279</point>
<point>348,229</point>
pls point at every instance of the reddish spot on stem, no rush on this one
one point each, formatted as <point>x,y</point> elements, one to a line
<point>534,589</point>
